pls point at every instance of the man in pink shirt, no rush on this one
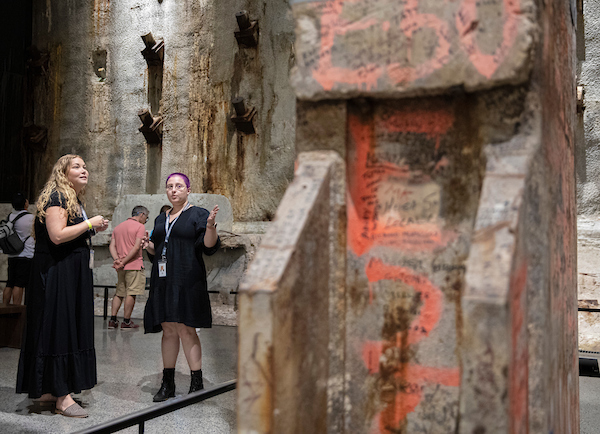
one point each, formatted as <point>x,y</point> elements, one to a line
<point>126,250</point>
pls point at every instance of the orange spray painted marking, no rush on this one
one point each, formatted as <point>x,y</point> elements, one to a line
<point>466,23</point>
<point>433,123</point>
<point>409,378</point>
<point>412,21</point>
<point>430,295</point>
<point>364,228</point>
<point>331,26</point>
<point>366,76</point>
<point>519,371</point>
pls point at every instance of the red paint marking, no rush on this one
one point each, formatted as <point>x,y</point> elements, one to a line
<point>431,296</point>
<point>371,175</point>
<point>519,371</point>
<point>412,379</point>
<point>371,351</point>
<point>412,21</point>
<point>366,77</point>
<point>409,382</point>
<point>433,123</point>
<point>409,379</point>
<point>395,411</point>
<point>331,26</point>
<point>365,229</point>
<point>466,22</point>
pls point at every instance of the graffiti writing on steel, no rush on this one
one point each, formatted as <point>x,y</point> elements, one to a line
<point>388,207</point>
<point>363,43</point>
<point>382,208</point>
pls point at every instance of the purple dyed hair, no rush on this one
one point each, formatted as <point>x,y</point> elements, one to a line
<point>185,178</point>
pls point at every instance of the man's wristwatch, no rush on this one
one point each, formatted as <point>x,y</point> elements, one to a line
<point>213,226</point>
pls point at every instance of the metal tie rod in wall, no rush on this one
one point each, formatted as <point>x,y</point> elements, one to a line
<point>141,416</point>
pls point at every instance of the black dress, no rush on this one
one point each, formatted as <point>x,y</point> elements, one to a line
<point>181,296</point>
<point>57,352</point>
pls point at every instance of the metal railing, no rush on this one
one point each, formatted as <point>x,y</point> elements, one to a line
<point>588,309</point>
<point>141,416</point>
<point>106,287</point>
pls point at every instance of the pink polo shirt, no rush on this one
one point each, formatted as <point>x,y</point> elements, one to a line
<point>125,235</point>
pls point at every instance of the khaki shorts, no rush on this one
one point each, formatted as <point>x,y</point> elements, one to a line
<point>130,282</point>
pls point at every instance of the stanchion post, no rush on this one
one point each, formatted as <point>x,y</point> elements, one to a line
<point>105,302</point>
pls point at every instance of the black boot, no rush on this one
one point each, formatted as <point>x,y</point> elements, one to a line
<point>196,383</point>
<point>167,388</point>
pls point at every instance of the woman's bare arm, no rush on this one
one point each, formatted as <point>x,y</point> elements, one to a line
<point>59,232</point>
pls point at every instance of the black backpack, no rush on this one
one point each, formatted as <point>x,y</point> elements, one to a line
<point>10,242</point>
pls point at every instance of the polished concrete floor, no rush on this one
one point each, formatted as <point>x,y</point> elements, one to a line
<point>589,405</point>
<point>129,373</point>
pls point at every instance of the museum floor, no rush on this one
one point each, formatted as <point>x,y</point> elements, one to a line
<point>129,373</point>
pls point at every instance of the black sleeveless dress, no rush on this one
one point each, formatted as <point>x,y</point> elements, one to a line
<point>57,352</point>
<point>181,296</point>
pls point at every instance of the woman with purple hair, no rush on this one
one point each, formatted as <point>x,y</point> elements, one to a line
<point>178,302</point>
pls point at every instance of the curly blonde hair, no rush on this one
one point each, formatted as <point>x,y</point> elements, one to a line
<point>59,182</point>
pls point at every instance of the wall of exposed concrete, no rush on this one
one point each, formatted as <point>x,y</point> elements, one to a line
<point>588,176</point>
<point>588,146</point>
<point>96,115</point>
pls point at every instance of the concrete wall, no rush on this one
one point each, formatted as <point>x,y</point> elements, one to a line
<point>204,68</point>
<point>588,145</point>
<point>588,175</point>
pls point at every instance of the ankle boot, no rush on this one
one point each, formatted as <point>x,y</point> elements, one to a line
<point>196,383</point>
<point>167,388</point>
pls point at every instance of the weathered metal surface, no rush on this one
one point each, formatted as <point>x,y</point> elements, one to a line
<point>350,48</point>
<point>413,187</point>
<point>292,309</point>
<point>494,331</point>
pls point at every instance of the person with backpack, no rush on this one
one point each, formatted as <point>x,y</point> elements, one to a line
<point>19,262</point>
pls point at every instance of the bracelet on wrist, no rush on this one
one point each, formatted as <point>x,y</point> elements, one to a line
<point>89,224</point>
<point>212,227</point>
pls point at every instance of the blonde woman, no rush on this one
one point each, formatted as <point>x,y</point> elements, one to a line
<point>57,355</point>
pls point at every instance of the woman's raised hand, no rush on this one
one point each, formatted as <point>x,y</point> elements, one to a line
<point>210,221</point>
<point>99,223</point>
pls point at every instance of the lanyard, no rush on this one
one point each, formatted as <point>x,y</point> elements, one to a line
<point>85,217</point>
<point>169,228</point>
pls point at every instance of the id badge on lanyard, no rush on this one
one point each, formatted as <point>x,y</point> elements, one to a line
<point>89,241</point>
<point>162,263</point>
<point>162,268</point>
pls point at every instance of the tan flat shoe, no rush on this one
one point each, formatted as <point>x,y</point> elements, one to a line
<point>73,410</point>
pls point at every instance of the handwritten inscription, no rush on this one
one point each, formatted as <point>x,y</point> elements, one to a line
<point>385,207</point>
<point>396,225</point>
